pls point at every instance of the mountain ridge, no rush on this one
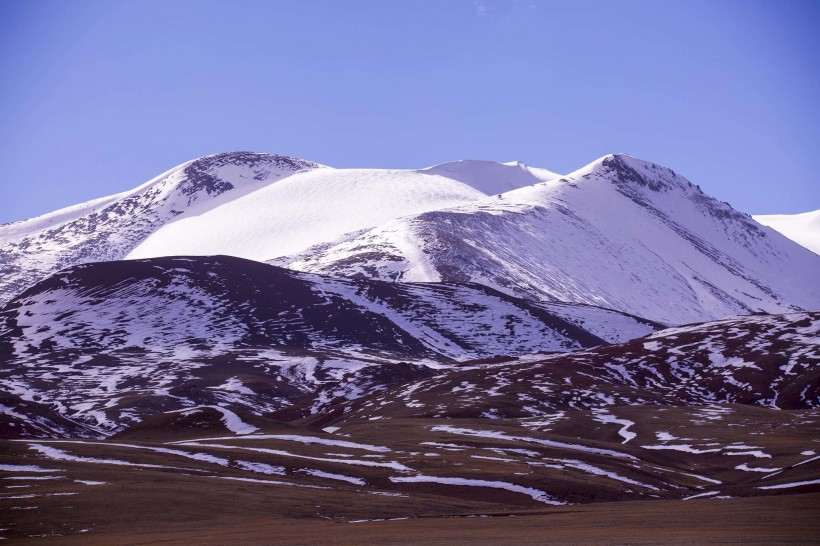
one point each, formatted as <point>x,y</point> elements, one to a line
<point>588,237</point>
<point>101,346</point>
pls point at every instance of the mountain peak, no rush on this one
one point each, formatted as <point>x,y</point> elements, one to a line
<point>251,159</point>
<point>108,228</point>
<point>627,171</point>
<point>588,237</point>
<point>605,235</point>
<point>219,173</point>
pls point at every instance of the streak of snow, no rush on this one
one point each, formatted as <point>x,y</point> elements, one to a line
<point>687,448</point>
<point>540,441</point>
<point>535,494</point>
<point>357,462</point>
<point>707,494</point>
<point>60,455</point>
<point>333,476</point>
<point>296,438</point>
<point>26,468</point>
<point>266,482</point>
<point>602,416</point>
<point>260,468</point>
<point>790,485</point>
<point>747,468</point>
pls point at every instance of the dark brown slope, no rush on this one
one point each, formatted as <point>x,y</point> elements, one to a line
<point>111,343</point>
<point>765,360</point>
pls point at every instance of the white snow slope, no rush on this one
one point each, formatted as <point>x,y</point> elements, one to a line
<point>491,177</point>
<point>803,229</point>
<point>620,233</point>
<point>308,208</point>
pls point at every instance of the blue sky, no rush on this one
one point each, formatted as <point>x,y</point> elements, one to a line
<point>98,97</point>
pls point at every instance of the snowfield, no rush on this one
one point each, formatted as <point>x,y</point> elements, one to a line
<point>110,227</point>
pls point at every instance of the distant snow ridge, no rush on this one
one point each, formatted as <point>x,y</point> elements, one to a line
<point>803,229</point>
<point>110,227</point>
<point>620,233</point>
<point>491,177</point>
<point>317,207</point>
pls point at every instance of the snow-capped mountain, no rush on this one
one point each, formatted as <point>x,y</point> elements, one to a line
<point>251,205</point>
<point>803,229</point>
<point>111,342</point>
<point>620,233</point>
<point>318,206</point>
<point>110,227</point>
<point>523,376</point>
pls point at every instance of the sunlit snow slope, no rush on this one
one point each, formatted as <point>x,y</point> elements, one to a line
<point>620,233</point>
<point>803,229</point>
<point>306,209</point>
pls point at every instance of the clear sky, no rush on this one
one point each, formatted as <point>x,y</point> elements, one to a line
<point>98,97</point>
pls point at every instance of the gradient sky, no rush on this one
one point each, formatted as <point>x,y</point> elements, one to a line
<point>98,97</point>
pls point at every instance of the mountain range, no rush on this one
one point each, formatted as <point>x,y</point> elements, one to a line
<point>473,338</point>
<point>609,234</point>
